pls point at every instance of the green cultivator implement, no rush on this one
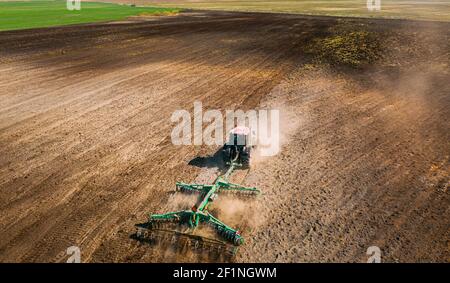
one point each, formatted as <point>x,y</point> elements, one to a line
<point>155,229</point>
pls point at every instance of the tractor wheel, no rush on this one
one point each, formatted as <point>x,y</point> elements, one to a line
<point>245,159</point>
<point>226,152</point>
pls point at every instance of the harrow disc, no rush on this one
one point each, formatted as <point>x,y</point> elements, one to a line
<point>239,193</point>
<point>183,242</point>
<point>232,237</point>
<point>163,224</point>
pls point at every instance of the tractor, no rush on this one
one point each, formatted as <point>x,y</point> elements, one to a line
<point>239,146</point>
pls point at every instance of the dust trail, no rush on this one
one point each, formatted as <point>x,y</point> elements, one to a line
<point>180,201</point>
<point>290,120</point>
<point>241,214</point>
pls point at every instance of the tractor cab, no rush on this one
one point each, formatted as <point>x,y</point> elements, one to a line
<point>239,136</point>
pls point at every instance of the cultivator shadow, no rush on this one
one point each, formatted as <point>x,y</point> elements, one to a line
<point>178,228</point>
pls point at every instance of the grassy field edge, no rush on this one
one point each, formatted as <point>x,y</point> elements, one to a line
<point>16,15</point>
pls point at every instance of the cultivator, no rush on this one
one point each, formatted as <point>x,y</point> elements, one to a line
<point>157,228</point>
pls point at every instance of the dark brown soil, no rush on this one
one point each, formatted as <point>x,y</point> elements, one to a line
<point>85,149</point>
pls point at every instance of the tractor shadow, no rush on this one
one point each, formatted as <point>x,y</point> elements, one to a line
<point>211,161</point>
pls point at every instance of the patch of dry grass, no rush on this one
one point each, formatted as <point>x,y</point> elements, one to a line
<point>350,48</point>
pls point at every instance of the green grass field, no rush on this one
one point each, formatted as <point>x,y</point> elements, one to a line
<point>34,14</point>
